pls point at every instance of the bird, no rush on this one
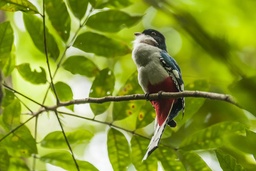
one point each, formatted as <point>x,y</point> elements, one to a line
<point>158,72</point>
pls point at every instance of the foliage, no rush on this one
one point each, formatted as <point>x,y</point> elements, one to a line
<point>56,51</point>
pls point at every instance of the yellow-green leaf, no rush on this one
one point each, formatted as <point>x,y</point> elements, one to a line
<point>18,5</point>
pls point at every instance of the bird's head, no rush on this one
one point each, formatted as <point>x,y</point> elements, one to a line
<point>151,37</point>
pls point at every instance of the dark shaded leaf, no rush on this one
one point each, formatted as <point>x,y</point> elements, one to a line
<point>11,114</point>
<point>194,104</point>
<point>4,159</point>
<point>78,8</point>
<point>227,162</point>
<point>81,65</point>
<point>112,21</point>
<point>192,161</point>
<point>59,17</point>
<point>6,42</point>
<point>103,85</point>
<point>35,28</point>
<point>118,150</point>
<point>23,141</point>
<point>245,94</point>
<point>9,97</point>
<point>65,161</point>
<point>139,147</point>
<point>63,90</point>
<point>33,77</point>
<point>18,5</point>
<point>57,140</point>
<point>101,45</point>
<point>112,3</point>
<point>211,137</point>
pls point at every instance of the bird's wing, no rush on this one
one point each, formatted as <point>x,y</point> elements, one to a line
<point>174,71</point>
<point>156,137</point>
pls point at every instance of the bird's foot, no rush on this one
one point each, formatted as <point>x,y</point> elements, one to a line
<point>160,94</point>
<point>147,96</point>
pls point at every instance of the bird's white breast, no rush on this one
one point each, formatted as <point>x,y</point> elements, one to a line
<point>147,60</point>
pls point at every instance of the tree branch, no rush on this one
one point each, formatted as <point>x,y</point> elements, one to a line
<point>155,96</point>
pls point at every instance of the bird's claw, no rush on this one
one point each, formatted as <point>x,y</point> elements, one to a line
<point>147,96</point>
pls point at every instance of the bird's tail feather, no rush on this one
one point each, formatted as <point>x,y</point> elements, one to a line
<point>156,137</point>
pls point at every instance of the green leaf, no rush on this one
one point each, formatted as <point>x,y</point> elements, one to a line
<point>118,150</point>
<point>168,158</point>
<point>63,91</point>
<point>59,17</point>
<point>116,21</point>
<point>35,28</point>
<point>192,161</point>
<point>11,114</point>
<point>4,159</point>
<point>211,137</point>
<point>141,108</point>
<point>103,85</point>
<point>227,162</point>
<point>111,3</point>
<point>65,161</point>
<point>243,91</point>
<point>248,143</point>
<point>101,45</point>
<point>18,164</point>
<point>20,143</point>
<point>78,8</point>
<point>139,147</point>
<point>7,61</point>
<point>81,65</point>
<point>33,77</point>
<point>9,97</point>
<point>194,104</point>
<point>18,5</point>
<point>56,139</point>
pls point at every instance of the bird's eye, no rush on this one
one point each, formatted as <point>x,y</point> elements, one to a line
<point>153,33</point>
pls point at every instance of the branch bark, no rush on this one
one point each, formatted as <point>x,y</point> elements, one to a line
<point>155,96</point>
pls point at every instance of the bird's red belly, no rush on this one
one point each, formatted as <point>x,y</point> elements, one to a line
<point>163,106</point>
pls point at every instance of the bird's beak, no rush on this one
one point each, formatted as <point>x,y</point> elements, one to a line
<point>137,33</point>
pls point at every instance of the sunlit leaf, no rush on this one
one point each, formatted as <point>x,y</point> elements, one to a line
<point>4,159</point>
<point>101,45</point>
<point>18,164</point>
<point>11,114</point>
<point>139,147</point>
<point>65,161</point>
<point>118,150</point>
<point>59,17</point>
<point>243,91</point>
<point>227,162</point>
<point>7,60</point>
<point>23,141</point>
<point>56,139</point>
<point>193,161</point>
<point>18,5</point>
<point>211,137</point>
<point>34,76</point>
<point>103,85</point>
<point>116,21</point>
<point>78,7</point>
<point>81,65</point>
<point>141,108</point>
<point>35,28</point>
